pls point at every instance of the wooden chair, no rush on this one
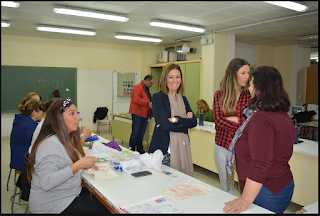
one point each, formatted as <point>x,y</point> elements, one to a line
<point>105,121</point>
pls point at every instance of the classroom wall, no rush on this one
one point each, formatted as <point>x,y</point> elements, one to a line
<point>29,51</point>
<point>216,57</point>
<point>149,56</point>
<point>247,52</point>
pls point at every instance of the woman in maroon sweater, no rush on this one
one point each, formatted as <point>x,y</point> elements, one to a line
<point>265,146</point>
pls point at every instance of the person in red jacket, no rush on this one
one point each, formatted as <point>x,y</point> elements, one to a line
<point>140,109</point>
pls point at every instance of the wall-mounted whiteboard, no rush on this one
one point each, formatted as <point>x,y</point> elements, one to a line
<point>121,104</point>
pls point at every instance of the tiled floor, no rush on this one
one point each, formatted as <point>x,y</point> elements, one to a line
<point>200,173</point>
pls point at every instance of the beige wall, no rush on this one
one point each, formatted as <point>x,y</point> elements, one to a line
<point>215,57</point>
<point>149,56</point>
<point>30,51</point>
<point>265,55</point>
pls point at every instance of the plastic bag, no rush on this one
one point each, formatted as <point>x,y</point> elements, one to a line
<point>102,151</point>
<point>152,160</point>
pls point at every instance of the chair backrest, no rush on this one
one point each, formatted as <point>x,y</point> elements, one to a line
<point>100,113</point>
<point>23,182</point>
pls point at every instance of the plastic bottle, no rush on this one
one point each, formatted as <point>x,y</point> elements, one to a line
<point>80,121</point>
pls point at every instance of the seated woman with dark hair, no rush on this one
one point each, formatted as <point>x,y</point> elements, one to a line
<point>21,135</point>
<point>55,165</point>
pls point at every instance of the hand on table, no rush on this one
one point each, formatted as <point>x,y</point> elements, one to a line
<point>235,206</point>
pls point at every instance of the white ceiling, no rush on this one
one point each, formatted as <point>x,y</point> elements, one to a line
<point>213,15</point>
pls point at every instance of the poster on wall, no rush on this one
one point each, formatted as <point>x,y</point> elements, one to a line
<point>122,84</point>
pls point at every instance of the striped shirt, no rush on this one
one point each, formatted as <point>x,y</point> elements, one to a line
<point>226,129</point>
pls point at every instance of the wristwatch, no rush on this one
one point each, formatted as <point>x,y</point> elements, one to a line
<point>174,119</point>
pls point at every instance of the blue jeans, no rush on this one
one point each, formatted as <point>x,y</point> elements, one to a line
<point>220,156</point>
<point>276,203</point>
<point>139,125</point>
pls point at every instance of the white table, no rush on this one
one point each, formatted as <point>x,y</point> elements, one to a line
<point>131,190</point>
<point>303,163</point>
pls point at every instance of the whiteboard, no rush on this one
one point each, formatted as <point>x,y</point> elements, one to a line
<point>121,104</point>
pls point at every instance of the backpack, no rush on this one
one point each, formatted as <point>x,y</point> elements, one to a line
<point>304,116</point>
<point>100,113</point>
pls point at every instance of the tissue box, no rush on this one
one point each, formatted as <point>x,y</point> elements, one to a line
<point>314,107</point>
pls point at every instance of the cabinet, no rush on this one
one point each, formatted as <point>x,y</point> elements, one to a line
<point>191,75</point>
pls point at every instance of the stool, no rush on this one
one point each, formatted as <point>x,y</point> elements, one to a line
<point>12,199</point>
<point>103,121</point>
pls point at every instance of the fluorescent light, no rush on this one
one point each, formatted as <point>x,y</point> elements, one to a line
<point>89,13</point>
<point>5,24</point>
<point>290,5</point>
<point>65,30</point>
<point>307,37</point>
<point>314,57</point>
<point>137,37</point>
<point>10,4</point>
<point>185,27</point>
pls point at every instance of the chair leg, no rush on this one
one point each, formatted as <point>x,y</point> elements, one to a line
<point>13,198</point>
<point>27,209</point>
<point>9,179</point>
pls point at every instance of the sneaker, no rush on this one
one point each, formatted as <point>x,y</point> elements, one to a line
<point>141,151</point>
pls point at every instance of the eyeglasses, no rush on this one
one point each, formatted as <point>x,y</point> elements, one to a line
<point>151,82</point>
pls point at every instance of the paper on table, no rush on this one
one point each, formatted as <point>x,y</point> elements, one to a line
<point>104,174</point>
<point>156,205</point>
<point>185,192</point>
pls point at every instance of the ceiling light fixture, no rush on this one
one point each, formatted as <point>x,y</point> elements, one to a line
<point>10,4</point>
<point>307,37</point>
<point>61,29</point>
<point>5,24</point>
<point>138,37</point>
<point>290,5</point>
<point>179,26</point>
<point>89,13</point>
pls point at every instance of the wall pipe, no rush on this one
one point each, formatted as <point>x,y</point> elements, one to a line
<point>248,25</point>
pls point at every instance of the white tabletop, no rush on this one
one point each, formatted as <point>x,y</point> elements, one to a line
<point>207,126</point>
<point>312,209</point>
<point>132,190</point>
<point>308,147</point>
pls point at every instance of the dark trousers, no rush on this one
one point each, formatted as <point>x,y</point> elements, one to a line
<point>139,125</point>
<point>83,204</point>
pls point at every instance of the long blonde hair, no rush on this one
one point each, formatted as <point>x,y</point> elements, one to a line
<point>229,86</point>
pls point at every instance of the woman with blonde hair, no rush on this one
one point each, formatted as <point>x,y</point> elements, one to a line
<point>203,107</point>
<point>31,95</point>
<point>173,117</point>
<point>55,165</point>
<point>229,103</point>
<point>23,127</point>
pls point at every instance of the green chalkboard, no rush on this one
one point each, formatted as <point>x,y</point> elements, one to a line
<point>18,81</point>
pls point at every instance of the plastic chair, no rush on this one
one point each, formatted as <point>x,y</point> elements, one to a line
<point>103,121</point>
<point>24,186</point>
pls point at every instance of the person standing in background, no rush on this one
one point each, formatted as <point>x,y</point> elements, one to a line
<point>140,109</point>
<point>228,105</point>
<point>263,146</point>
<point>56,93</point>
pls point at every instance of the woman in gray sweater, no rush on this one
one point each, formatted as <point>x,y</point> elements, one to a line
<point>55,165</point>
